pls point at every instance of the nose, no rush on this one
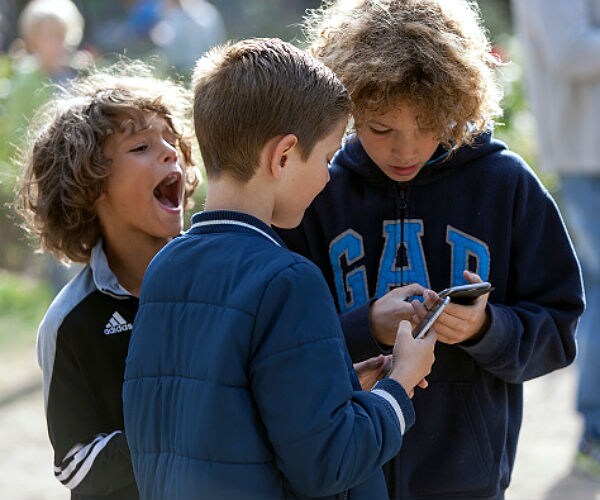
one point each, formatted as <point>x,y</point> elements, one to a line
<point>168,152</point>
<point>403,146</point>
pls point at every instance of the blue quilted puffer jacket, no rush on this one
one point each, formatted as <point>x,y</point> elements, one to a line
<point>238,384</point>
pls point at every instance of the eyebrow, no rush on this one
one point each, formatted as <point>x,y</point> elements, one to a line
<point>131,130</point>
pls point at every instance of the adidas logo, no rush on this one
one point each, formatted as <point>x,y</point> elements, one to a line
<point>117,324</point>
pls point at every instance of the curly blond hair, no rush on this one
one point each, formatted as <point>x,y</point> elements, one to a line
<point>432,54</point>
<point>64,170</point>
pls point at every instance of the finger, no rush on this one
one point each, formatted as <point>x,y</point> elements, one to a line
<point>387,364</point>
<point>430,298</point>
<point>419,308</point>
<point>414,289</point>
<point>411,289</point>
<point>358,366</point>
<point>404,328</point>
<point>378,361</point>
<point>403,335</point>
<point>448,325</point>
<point>459,312</point>
<point>372,363</point>
<point>415,319</point>
<point>430,337</point>
<point>423,384</point>
<point>472,277</point>
<point>451,330</point>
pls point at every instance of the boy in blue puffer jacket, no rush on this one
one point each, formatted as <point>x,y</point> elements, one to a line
<point>238,383</point>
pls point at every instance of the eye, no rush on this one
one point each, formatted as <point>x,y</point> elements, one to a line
<point>140,148</point>
<point>378,131</point>
<point>171,139</point>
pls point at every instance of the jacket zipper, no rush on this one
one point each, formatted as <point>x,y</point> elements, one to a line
<point>401,207</point>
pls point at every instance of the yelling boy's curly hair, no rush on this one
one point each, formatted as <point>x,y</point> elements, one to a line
<point>431,54</point>
<point>64,170</point>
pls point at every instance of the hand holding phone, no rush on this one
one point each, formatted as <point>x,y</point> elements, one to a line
<point>470,322</point>
<point>412,359</point>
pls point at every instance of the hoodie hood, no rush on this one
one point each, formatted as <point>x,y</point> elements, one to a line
<point>353,157</point>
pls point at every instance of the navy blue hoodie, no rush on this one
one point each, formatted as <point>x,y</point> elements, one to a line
<point>481,209</point>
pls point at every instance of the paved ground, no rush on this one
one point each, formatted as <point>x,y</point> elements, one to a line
<point>26,456</point>
<point>542,471</point>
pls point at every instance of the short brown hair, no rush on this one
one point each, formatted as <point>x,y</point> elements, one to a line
<point>433,54</point>
<point>248,92</point>
<point>64,170</point>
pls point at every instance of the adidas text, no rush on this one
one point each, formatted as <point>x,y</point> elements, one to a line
<point>118,329</point>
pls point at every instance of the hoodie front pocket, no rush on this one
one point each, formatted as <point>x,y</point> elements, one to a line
<point>449,449</point>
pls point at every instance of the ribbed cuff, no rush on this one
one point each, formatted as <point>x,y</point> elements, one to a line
<point>396,396</point>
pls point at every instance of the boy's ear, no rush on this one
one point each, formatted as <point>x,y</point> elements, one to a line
<point>101,197</point>
<point>280,153</point>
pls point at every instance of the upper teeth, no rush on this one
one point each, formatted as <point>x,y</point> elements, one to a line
<point>171,179</point>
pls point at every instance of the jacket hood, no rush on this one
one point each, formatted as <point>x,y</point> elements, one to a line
<point>353,157</point>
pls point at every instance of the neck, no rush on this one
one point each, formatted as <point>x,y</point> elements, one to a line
<point>129,259</point>
<point>252,197</point>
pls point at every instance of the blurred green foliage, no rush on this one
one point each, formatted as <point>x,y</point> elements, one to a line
<point>23,302</point>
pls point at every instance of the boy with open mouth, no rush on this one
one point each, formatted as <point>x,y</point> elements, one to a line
<point>105,182</point>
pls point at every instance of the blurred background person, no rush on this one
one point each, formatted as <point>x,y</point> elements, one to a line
<point>45,53</point>
<point>176,32</point>
<point>185,30</point>
<point>49,33</point>
<point>561,55</point>
<point>8,25</point>
<point>115,27</point>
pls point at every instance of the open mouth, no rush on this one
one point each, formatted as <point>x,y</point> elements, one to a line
<point>169,192</point>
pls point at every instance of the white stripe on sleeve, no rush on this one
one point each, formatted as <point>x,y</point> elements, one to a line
<point>82,459</point>
<point>392,401</point>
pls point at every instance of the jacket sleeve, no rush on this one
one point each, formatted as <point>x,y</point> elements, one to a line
<point>326,436</point>
<point>532,330</point>
<point>355,323</point>
<point>357,331</point>
<point>90,458</point>
<point>567,34</point>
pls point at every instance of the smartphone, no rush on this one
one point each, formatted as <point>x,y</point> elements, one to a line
<point>424,325</point>
<point>466,294</point>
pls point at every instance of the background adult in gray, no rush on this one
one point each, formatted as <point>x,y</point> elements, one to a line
<point>561,50</point>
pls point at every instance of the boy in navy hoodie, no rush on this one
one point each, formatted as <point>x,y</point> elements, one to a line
<point>238,383</point>
<point>423,193</point>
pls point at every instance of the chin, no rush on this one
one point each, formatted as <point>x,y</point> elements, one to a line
<point>289,223</point>
<point>172,229</point>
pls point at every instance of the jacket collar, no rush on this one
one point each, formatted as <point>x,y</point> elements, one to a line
<point>104,279</point>
<point>229,221</point>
